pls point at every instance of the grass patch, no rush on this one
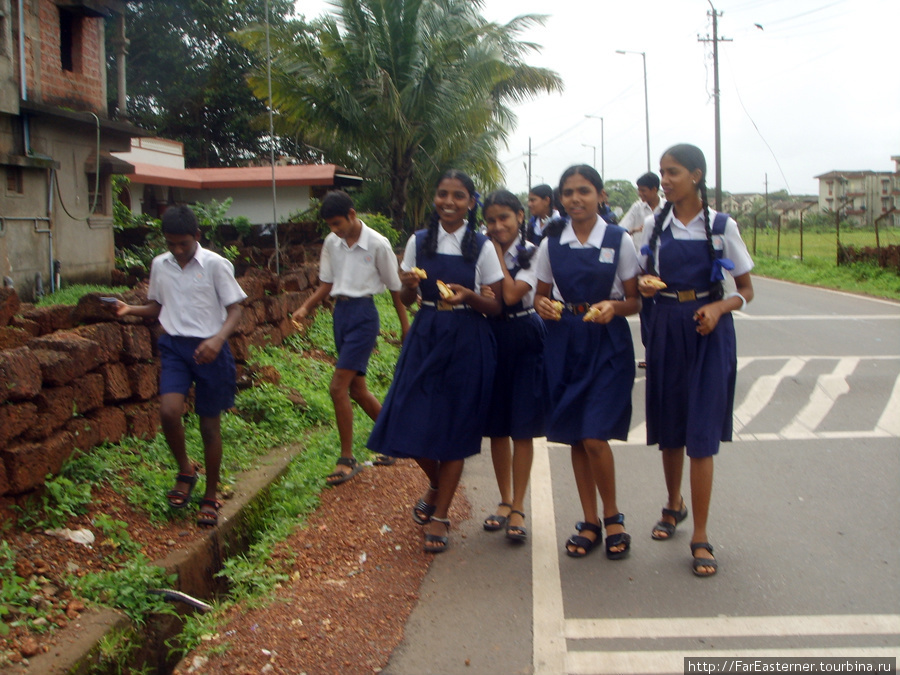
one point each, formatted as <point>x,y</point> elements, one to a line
<point>70,295</point>
<point>855,278</point>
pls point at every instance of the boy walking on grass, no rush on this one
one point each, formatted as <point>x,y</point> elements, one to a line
<point>194,294</point>
<point>357,262</point>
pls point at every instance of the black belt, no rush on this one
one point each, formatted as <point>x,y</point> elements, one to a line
<point>684,296</point>
<point>578,307</point>
<point>344,298</point>
<point>508,316</point>
<point>442,306</point>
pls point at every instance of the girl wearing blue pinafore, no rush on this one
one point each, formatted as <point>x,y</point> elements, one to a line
<point>436,407</point>
<point>518,402</point>
<point>589,361</point>
<point>691,349</point>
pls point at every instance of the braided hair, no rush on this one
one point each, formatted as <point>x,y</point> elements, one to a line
<point>691,158</point>
<point>469,243</point>
<point>510,201</point>
<point>589,173</point>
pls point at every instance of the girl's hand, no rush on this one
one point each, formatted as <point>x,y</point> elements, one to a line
<point>488,292</point>
<point>547,309</point>
<point>707,318</point>
<point>648,285</point>
<point>603,312</point>
<point>460,294</point>
<point>409,279</point>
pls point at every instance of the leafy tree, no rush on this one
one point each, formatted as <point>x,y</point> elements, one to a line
<point>187,77</point>
<point>401,90</point>
<point>622,193</point>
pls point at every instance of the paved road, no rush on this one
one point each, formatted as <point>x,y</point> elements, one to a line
<point>805,517</point>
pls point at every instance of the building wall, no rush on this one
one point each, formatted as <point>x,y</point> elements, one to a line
<point>255,204</point>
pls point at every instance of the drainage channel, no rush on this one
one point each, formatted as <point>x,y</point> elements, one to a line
<point>84,647</point>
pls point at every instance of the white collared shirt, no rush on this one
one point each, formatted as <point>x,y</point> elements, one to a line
<point>193,298</point>
<point>639,213</point>
<point>529,276</point>
<point>627,267</point>
<point>487,266</point>
<point>366,268</point>
<point>734,247</point>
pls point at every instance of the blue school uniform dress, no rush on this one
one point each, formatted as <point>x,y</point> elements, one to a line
<point>691,377</point>
<point>437,405</point>
<point>519,400</point>
<point>590,367</point>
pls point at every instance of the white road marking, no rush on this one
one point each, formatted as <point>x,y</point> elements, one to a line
<point>890,418</point>
<point>762,391</point>
<point>828,389</point>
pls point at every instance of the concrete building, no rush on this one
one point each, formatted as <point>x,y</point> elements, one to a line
<point>56,140</point>
<point>863,196</point>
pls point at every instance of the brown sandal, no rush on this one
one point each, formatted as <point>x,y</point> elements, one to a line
<point>207,518</point>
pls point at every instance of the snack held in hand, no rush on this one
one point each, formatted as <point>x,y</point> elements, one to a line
<point>444,290</point>
<point>558,308</point>
<point>419,272</point>
<point>592,314</point>
<point>654,282</point>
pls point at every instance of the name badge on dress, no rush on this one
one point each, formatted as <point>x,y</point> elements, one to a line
<point>607,255</point>
<point>718,242</point>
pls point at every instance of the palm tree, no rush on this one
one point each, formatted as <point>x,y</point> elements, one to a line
<point>401,90</point>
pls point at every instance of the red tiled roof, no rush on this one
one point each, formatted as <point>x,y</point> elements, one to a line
<point>257,176</point>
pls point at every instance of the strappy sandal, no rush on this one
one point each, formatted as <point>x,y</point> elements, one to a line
<point>613,540</point>
<point>516,532</point>
<point>384,460</point>
<point>178,499</point>
<point>422,510</point>
<point>697,563</point>
<point>339,477</point>
<point>667,527</point>
<point>435,543</point>
<point>208,518</point>
<point>576,541</point>
<point>495,522</point>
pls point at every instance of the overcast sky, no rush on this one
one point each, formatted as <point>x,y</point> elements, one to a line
<point>812,88</point>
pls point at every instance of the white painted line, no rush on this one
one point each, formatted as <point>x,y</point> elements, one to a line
<point>735,626</point>
<point>890,417</point>
<point>821,317</point>
<point>855,296</point>
<point>810,357</point>
<point>762,391</point>
<point>828,389</point>
<point>548,618</point>
<point>647,663</point>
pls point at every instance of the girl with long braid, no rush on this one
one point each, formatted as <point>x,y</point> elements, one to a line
<point>589,357</point>
<point>540,205</point>
<point>436,407</point>
<point>518,400</point>
<point>691,348</point>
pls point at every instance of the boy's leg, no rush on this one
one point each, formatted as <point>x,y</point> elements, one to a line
<point>343,414</point>
<point>171,409</point>
<point>360,393</point>
<point>211,433</point>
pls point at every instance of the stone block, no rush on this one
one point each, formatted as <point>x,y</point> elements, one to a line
<point>267,278</point>
<point>13,338</point>
<point>15,419</point>
<point>107,335</point>
<point>88,392</point>
<point>293,300</point>
<point>137,344</point>
<point>90,309</point>
<point>250,317</point>
<point>143,379</point>
<point>294,281</point>
<point>4,488</point>
<point>20,374</point>
<point>142,419</point>
<point>85,433</point>
<point>110,423</point>
<point>253,287</point>
<point>87,353</point>
<point>240,347</point>
<point>276,308</point>
<point>27,464</point>
<point>29,326</point>
<point>55,406</point>
<point>116,386</point>
<point>9,305</point>
<point>51,318</point>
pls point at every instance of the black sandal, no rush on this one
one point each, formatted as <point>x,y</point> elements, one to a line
<point>208,518</point>
<point>697,563</point>
<point>495,522</point>
<point>516,532</point>
<point>422,510</point>
<point>384,460</point>
<point>178,499</point>
<point>577,541</point>
<point>339,477</point>
<point>613,540</point>
<point>669,528</point>
<point>435,543</point>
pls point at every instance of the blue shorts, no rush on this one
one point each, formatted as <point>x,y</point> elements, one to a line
<point>215,382</point>
<point>356,326</point>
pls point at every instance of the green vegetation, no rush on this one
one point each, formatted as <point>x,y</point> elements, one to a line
<point>855,278</point>
<point>70,295</point>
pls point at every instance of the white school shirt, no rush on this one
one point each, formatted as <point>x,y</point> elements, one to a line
<point>193,298</point>
<point>638,214</point>
<point>366,268</point>
<point>529,276</point>
<point>541,223</point>
<point>487,266</point>
<point>734,247</point>
<point>628,266</point>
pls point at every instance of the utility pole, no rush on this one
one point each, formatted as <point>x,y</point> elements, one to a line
<point>716,40</point>
<point>767,201</point>
<point>529,163</point>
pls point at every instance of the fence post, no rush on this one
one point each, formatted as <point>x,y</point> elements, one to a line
<point>801,236</point>
<point>754,234</point>
<point>778,241</point>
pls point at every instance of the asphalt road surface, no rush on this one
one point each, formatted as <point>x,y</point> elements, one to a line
<point>805,521</point>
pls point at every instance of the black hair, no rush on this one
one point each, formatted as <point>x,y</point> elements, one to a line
<point>510,201</point>
<point>649,180</point>
<point>557,203</point>
<point>555,227</point>
<point>691,158</point>
<point>543,191</point>
<point>335,203</point>
<point>180,219</point>
<point>469,247</point>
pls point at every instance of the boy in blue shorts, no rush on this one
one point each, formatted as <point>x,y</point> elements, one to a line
<point>357,262</point>
<point>194,294</point>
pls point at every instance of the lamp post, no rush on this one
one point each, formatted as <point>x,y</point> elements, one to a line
<point>588,145</point>
<point>646,104</point>
<point>602,153</point>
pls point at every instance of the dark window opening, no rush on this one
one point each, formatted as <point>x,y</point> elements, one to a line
<point>70,41</point>
<point>15,183</point>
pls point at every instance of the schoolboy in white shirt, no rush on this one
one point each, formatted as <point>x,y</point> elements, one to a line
<point>357,262</point>
<point>194,294</point>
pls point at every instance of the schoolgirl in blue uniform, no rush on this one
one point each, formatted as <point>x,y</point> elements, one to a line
<point>518,401</point>
<point>436,407</point>
<point>589,358</point>
<point>540,206</point>
<point>691,349</point>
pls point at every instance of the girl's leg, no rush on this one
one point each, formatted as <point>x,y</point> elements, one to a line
<point>701,494</point>
<point>587,492</point>
<point>673,470</point>
<point>603,469</point>
<point>501,457</point>
<point>523,456</point>
<point>448,480</point>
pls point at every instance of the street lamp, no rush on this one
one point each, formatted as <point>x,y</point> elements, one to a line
<point>588,145</point>
<point>646,104</point>
<point>602,153</point>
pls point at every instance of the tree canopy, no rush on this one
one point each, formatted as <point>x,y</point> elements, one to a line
<point>401,90</point>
